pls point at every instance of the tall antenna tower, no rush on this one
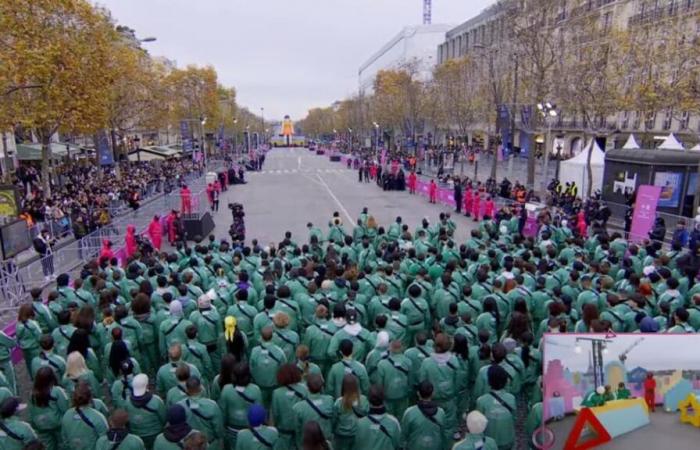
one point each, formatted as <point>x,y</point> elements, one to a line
<point>427,12</point>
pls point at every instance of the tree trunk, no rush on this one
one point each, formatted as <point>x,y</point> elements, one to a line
<point>531,166</point>
<point>494,165</point>
<point>3,160</point>
<point>589,188</point>
<point>46,164</point>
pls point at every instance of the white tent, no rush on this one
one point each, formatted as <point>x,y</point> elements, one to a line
<point>696,148</point>
<point>575,170</point>
<point>671,143</point>
<point>631,143</point>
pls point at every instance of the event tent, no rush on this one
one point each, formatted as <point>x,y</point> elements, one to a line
<point>671,143</point>
<point>631,143</point>
<point>575,170</point>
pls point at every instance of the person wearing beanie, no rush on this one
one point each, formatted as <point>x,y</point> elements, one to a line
<point>379,430</point>
<point>118,436</point>
<point>499,408</point>
<point>265,361</point>
<point>14,433</point>
<point>421,425</point>
<point>648,325</point>
<point>379,352</point>
<point>146,411</point>
<point>176,430</point>
<point>258,436</point>
<point>393,372</point>
<point>203,414</point>
<point>442,369</point>
<point>475,438</point>
<point>353,332</point>
<point>315,407</point>
<point>349,365</point>
<point>172,329</point>
<point>209,328</point>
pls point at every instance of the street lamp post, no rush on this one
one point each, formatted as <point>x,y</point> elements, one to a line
<point>376,129</point>
<point>262,130</point>
<point>549,112</point>
<point>202,122</point>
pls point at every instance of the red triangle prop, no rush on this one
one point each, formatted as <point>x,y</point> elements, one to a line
<point>587,417</point>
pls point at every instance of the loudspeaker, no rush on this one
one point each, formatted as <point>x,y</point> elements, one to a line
<point>201,226</point>
<point>320,152</point>
<point>335,158</point>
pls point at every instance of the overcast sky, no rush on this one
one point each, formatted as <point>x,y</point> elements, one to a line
<point>655,352</point>
<point>284,55</point>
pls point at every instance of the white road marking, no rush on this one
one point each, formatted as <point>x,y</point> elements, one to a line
<point>299,163</point>
<point>330,192</point>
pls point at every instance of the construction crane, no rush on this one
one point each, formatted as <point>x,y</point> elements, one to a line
<point>623,355</point>
<point>427,12</point>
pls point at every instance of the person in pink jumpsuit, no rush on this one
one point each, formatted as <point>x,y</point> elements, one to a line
<point>433,192</point>
<point>155,233</point>
<point>412,182</point>
<point>106,253</point>
<point>489,207</point>
<point>581,225</point>
<point>476,206</point>
<point>131,245</point>
<point>468,200</point>
<point>186,199</point>
<point>210,195</point>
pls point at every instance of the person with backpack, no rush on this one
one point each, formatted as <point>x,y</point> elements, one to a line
<point>421,425</point>
<point>118,436</point>
<point>176,431</point>
<point>316,406</point>
<point>258,436</point>
<point>234,401</point>
<point>498,406</point>
<point>82,425</point>
<point>146,411</point>
<point>379,430</point>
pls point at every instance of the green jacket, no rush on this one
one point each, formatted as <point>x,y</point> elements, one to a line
<point>22,434</point>
<point>334,384</point>
<point>28,334</point>
<point>234,402</point>
<point>161,443</point>
<point>421,427</point>
<point>265,361</point>
<point>80,429</point>
<point>146,415</point>
<point>44,317</point>
<point>130,442</point>
<point>316,407</point>
<point>52,360</point>
<point>360,340</point>
<point>345,422</point>
<point>172,330</point>
<point>501,425</point>
<point>442,370</point>
<point>259,438</point>
<point>378,432</point>
<point>283,400</point>
<point>61,338</point>
<point>204,415</point>
<point>209,324</point>
<point>394,373</point>
<point>47,418</point>
<point>476,442</point>
<point>166,379</point>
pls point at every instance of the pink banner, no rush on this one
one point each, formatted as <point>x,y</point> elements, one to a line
<point>644,212</point>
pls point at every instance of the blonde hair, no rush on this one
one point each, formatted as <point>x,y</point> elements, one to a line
<point>371,222</point>
<point>75,366</point>
<point>281,320</point>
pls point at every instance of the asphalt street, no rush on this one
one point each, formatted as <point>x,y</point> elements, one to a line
<point>297,186</point>
<point>665,431</point>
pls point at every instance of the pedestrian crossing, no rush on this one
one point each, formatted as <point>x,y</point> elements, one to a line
<point>293,171</point>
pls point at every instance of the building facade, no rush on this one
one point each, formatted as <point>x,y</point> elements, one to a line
<point>487,36</point>
<point>413,45</point>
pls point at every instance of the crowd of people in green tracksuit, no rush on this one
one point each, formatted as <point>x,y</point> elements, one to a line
<point>370,338</point>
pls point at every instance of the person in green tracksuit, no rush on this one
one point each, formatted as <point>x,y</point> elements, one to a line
<point>346,365</point>
<point>118,436</point>
<point>393,373</point>
<point>210,328</point>
<point>533,422</point>
<point>499,407</point>
<point>594,398</point>
<point>47,358</point>
<point>234,401</point>
<point>14,433</point>
<point>28,333</point>
<point>258,436</point>
<point>378,430</point>
<point>442,369</point>
<point>43,315</point>
<point>622,392</point>
<point>316,406</point>
<point>177,430</point>
<point>6,366</point>
<point>290,391</point>
<point>265,361</point>
<point>47,406</point>
<point>203,414</point>
<point>347,410</point>
<point>146,411</point>
<point>421,425</point>
<point>476,439</point>
<point>173,328</point>
<point>82,425</point>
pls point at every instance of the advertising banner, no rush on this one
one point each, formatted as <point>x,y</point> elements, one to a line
<point>644,211</point>
<point>671,184</point>
<point>186,135</point>
<point>104,151</point>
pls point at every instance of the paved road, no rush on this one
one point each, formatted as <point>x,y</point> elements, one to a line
<point>664,432</point>
<point>297,186</point>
